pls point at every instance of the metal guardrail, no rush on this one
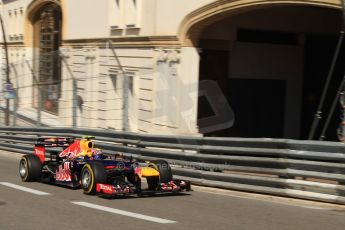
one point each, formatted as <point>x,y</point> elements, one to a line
<point>302,169</point>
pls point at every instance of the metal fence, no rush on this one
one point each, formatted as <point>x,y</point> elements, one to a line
<point>89,88</point>
<point>302,169</point>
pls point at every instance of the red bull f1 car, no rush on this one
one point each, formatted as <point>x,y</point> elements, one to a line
<point>76,163</point>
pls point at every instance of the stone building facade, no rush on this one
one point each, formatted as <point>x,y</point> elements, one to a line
<point>249,68</point>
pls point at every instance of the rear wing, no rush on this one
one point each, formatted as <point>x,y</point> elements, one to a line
<point>54,141</point>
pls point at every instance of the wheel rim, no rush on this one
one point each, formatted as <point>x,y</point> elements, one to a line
<point>86,179</point>
<point>22,169</point>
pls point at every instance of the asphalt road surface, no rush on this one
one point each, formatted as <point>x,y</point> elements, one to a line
<point>43,206</point>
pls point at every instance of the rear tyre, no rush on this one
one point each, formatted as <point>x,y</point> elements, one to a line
<point>91,174</point>
<point>30,168</point>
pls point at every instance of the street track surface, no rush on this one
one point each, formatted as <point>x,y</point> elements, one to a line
<point>43,206</point>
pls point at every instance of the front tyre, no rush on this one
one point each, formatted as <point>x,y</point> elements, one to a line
<point>163,167</point>
<point>30,168</point>
<point>91,174</point>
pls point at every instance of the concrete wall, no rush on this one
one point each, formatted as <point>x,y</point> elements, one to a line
<point>14,14</point>
<point>170,14</point>
<point>91,21</point>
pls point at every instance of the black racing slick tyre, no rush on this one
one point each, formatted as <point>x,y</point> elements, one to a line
<point>165,173</point>
<point>91,174</point>
<point>30,168</point>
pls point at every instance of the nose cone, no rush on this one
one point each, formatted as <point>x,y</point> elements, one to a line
<point>148,171</point>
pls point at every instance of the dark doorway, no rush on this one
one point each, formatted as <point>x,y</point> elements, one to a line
<point>259,107</point>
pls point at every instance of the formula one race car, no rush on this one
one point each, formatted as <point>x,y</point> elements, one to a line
<point>76,163</point>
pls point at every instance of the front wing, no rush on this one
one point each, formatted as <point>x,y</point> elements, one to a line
<point>174,186</point>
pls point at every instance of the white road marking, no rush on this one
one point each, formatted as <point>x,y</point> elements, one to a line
<point>310,207</point>
<point>125,213</point>
<point>25,189</point>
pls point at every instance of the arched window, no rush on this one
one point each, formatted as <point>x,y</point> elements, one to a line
<point>47,36</point>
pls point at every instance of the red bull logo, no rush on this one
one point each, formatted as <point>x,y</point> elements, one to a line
<point>64,172</point>
<point>78,148</point>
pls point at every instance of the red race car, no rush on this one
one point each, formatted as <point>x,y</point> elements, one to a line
<point>76,163</point>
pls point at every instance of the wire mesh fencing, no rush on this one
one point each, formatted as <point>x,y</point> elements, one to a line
<point>80,90</point>
<point>102,87</point>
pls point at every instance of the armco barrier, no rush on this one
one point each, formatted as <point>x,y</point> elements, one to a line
<point>302,169</point>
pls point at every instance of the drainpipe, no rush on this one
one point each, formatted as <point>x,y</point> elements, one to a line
<point>125,112</point>
<point>7,112</point>
<point>318,114</point>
